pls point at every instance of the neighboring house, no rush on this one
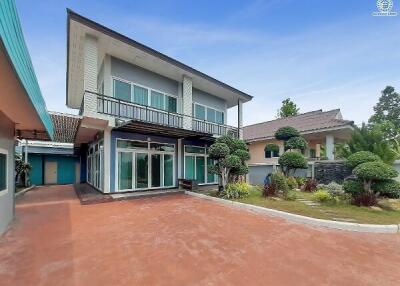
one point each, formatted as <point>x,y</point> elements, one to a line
<point>23,111</point>
<point>147,119</point>
<point>321,129</point>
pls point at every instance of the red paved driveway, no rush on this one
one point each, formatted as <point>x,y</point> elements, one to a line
<point>181,240</point>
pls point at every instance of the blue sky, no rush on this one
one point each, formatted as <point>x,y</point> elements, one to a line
<point>322,54</point>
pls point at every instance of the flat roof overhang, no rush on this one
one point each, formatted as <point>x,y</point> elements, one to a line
<point>16,104</point>
<point>122,47</point>
<point>156,129</point>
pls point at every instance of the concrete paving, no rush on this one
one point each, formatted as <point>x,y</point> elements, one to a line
<point>181,240</point>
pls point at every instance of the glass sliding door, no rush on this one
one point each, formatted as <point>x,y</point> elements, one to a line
<point>124,170</point>
<point>168,170</point>
<point>142,170</point>
<point>156,170</point>
<point>190,167</point>
<point>200,170</point>
<point>211,178</point>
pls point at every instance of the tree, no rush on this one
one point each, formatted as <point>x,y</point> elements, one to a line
<point>22,169</point>
<point>370,172</point>
<point>286,132</point>
<point>387,110</point>
<point>294,143</point>
<point>361,157</point>
<point>230,155</point>
<point>288,108</point>
<point>368,138</point>
<point>291,161</point>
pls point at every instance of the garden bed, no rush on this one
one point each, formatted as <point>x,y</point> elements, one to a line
<point>330,211</point>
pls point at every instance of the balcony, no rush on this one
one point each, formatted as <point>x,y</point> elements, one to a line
<point>94,103</point>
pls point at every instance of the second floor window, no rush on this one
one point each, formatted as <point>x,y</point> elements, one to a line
<point>271,154</point>
<point>144,96</point>
<point>207,113</point>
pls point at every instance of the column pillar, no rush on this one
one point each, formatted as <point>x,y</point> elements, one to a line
<point>330,147</point>
<point>187,102</point>
<point>318,151</point>
<point>90,64</point>
<point>107,160</point>
<point>240,119</point>
<point>180,159</point>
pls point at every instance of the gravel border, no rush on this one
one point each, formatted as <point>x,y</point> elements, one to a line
<point>370,228</point>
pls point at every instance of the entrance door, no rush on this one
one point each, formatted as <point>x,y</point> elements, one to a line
<point>142,170</point>
<point>50,173</point>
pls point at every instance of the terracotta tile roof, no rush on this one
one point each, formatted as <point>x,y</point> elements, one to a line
<point>317,120</point>
<point>65,126</point>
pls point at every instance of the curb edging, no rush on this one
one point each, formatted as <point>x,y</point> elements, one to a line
<point>349,226</point>
<point>21,193</point>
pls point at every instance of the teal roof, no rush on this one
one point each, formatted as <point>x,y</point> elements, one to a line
<point>13,40</point>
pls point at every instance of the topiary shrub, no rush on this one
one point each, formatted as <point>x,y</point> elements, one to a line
<point>279,180</point>
<point>361,157</point>
<point>218,151</point>
<point>387,188</point>
<point>353,187</point>
<point>236,191</point>
<point>300,181</point>
<point>285,133</point>
<point>294,143</point>
<point>291,161</point>
<point>374,171</point>
<point>243,155</point>
<point>292,183</point>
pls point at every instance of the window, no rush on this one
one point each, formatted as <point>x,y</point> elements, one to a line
<point>3,171</point>
<point>197,165</point>
<point>122,90</point>
<point>171,104</point>
<point>131,144</point>
<point>157,100</point>
<point>271,154</point>
<point>194,149</point>
<point>162,147</point>
<point>199,112</point>
<point>212,115</point>
<point>313,154</point>
<point>124,170</point>
<point>140,95</point>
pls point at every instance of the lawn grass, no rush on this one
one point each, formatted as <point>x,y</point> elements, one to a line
<point>324,211</point>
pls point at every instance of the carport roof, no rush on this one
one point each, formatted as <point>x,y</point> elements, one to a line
<point>65,126</point>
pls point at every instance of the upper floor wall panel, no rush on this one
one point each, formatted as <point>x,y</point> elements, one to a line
<point>112,43</point>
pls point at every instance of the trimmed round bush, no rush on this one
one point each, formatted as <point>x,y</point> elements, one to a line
<point>285,133</point>
<point>361,157</point>
<point>296,143</point>
<point>353,187</point>
<point>231,161</point>
<point>292,161</point>
<point>240,171</point>
<point>271,147</point>
<point>334,189</point>
<point>218,150</point>
<point>244,155</point>
<point>371,171</point>
<point>236,191</point>
<point>387,188</point>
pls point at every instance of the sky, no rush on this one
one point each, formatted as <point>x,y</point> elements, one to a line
<point>322,54</point>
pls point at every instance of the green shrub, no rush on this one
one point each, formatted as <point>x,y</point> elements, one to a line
<point>361,157</point>
<point>218,150</point>
<point>334,189</point>
<point>279,180</point>
<point>353,187</point>
<point>243,155</point>
<point>285,133</point>
<point>371,171</point>
<point>290,161</point>
<point>291,196</point>
<point>300,181</point>
<point>296,143</point>
<point>387,188</point>
<point>236,191</point>
<point>292,183</point>
<point>321,196</point>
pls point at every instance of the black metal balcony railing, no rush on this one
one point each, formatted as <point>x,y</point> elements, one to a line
<point>127,110</point>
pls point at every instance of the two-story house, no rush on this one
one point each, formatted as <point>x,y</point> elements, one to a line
<point>147,119</point>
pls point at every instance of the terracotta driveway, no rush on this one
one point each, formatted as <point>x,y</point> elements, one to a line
<point>181,240</point>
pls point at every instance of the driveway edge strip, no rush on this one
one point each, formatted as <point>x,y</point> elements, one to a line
<point>22,192</point>
<point>371,228</point>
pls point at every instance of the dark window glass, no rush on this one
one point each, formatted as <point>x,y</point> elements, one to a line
<point>3,172</point>
<point>122,90</point>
